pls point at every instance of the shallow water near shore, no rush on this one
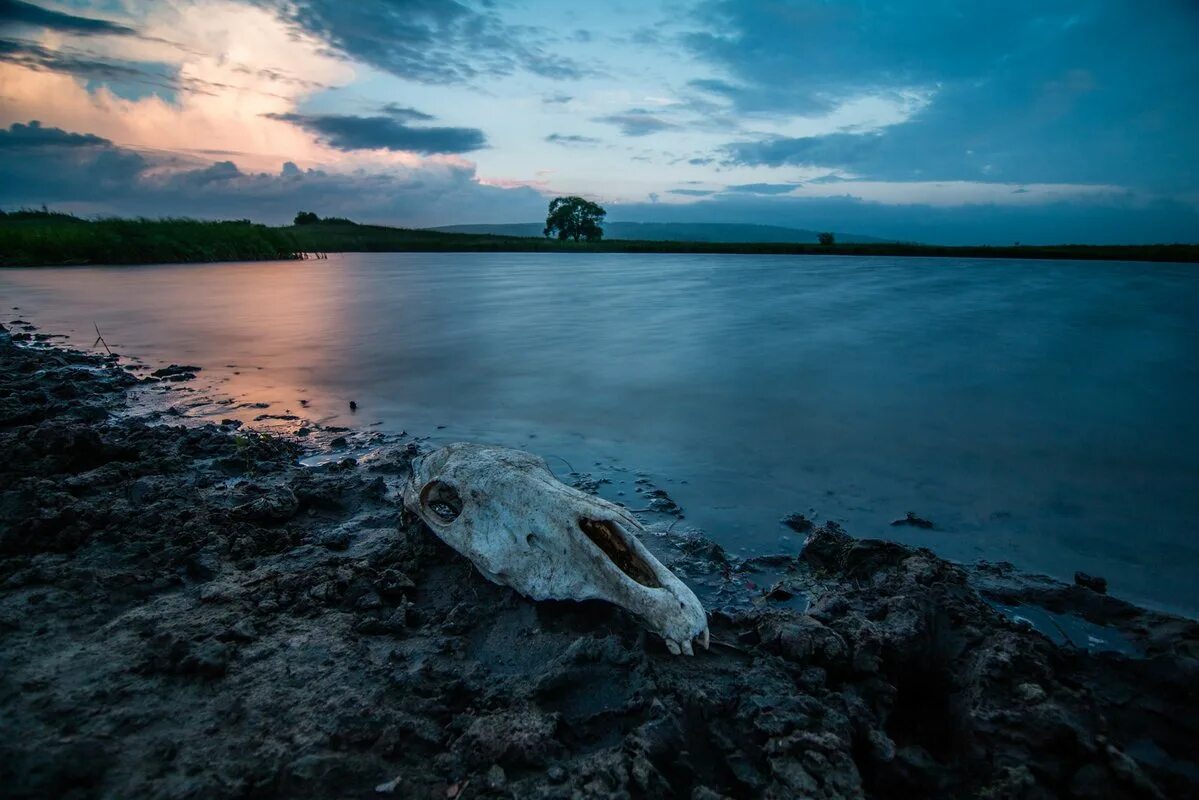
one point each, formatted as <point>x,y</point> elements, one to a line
<point>1036,412</point>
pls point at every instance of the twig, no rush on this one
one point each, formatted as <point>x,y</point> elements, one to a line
<point>563,460</point>
<point>100,339</point>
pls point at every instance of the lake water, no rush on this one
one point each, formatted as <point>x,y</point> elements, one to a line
<point>1038,412</point>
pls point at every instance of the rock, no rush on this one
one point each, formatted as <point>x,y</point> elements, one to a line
<point>496,778</point>
<point>393,583</point>
<point>798,523</point>
<point>176,372</point>
<point>215,593</point>
<point>241,631</point>
<point>336,539</point>
<point>1030,693</point>
<point>210,659</point>
<point>914,521</point>
<point>276,504</point>
<point>1093,582</point>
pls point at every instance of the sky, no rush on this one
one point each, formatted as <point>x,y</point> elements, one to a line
<point>926,120</point>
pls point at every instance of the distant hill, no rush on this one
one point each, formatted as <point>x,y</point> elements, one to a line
<point>672,232</point>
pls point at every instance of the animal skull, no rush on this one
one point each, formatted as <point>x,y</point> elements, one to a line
<point>504,510</point>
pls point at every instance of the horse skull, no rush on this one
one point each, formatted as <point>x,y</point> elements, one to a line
<point>504,510</point>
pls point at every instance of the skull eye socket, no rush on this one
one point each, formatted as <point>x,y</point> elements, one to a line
<point>612,542</point>
<point>441,501</point>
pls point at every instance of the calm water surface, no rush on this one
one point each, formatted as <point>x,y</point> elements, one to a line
<point>1038,412</point>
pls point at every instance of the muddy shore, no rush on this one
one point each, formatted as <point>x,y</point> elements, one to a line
<point>186,611</point>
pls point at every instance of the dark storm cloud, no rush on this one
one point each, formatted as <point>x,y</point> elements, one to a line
<point>431,41</point>
<point>346,132</point>
<point>1095,91</point>
<point>636,122</point>
<point>83,171</point>
<point>16,12</point>
<point>34,136</point>
<point>571,139</point>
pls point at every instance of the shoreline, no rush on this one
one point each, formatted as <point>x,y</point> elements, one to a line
<point>188,610</point>
<point>63,240</point>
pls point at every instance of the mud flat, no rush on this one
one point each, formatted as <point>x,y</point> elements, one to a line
<point>186,611</point>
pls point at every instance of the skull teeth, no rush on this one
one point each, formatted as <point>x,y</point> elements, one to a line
<point>673,647</point>
<point>704,640</point>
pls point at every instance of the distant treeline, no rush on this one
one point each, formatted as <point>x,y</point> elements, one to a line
<point>43,237</point>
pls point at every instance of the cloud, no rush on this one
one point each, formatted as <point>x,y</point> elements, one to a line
<point>34,136</point>
<point>16,12</point>
<point>112,72</point>
<point>693,192</point>
<point>636,122</point>
<point>556,99</point>
<point>430,41</point>
<point>347,132</point>
<point>404,113</point>
<point>1054,91</point>
<point>762,188</point>
<point>88,174</point>
<point>571,140</point>
<point>833,150</point>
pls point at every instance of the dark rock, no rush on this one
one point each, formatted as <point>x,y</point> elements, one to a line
<point>1093,582</point>
<point>914,521</point>
<point>337,539</point>
<point>798,523</point>
<point>176,372</point>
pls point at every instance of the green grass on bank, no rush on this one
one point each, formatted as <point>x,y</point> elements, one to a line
<point>46,238</point>
<point>35,238</point>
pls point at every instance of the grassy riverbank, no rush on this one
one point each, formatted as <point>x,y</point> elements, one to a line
<point>36,238</point>
<point>49,238</point>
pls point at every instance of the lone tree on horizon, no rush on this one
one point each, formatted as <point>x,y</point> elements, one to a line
<point>826,238</point>
<point>575,218</point>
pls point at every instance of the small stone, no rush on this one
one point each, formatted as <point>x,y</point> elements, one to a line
<point>335,539</point>
<point>798,523</point>
<point>496,779</point>
<point>914,521</point>
<point>368,601</point>
<point>1030,693</point>
<point>242,631</point>
<point>214,593</point>
<point>209,658</point>
<point>388,787</point>
<point>556,773</point>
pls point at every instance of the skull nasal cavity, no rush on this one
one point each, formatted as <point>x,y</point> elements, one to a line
<point>610,540</point>
<point>441,500</point>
